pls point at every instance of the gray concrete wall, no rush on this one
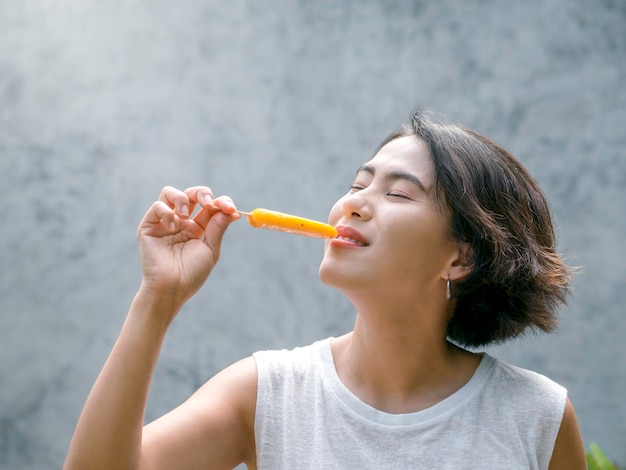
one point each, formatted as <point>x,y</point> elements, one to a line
<point>276,103</point>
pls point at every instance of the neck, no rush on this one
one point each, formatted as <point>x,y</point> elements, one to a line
<point>400,361</point>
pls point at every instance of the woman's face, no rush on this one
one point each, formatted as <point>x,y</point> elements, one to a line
<point>392,238</point>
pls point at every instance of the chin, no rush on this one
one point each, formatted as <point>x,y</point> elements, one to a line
<point>326,273</point>
<point>329,274</point>
<point>341,277</point>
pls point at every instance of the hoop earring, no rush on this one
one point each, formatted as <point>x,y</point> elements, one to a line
<point>448,290</point>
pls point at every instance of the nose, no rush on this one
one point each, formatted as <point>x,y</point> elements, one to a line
<point>357,205</point>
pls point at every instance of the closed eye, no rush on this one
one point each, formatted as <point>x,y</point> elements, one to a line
<point>403,196</point>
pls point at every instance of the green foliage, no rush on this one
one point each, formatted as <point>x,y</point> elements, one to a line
<point>597,460</point>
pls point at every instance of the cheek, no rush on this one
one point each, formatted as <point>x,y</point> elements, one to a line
<point>420,246</point>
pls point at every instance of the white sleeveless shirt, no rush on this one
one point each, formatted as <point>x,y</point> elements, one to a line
<point>503,418</point>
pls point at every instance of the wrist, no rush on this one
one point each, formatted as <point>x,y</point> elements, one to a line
<point>158,307</point>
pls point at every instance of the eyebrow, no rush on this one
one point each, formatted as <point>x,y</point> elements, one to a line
<point>395,175</point>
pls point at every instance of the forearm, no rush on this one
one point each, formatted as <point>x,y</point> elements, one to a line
<point>108,433</point>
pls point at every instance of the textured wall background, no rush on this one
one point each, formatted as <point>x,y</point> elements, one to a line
<point>276,104</point>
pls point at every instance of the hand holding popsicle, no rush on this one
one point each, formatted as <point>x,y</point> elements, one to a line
<point>177,249</point>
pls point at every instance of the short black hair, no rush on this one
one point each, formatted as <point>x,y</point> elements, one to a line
<point>518,281</point>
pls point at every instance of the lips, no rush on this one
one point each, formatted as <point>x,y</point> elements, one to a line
<point>351,235</point>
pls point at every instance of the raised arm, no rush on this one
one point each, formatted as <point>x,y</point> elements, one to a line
<point>215,426</point>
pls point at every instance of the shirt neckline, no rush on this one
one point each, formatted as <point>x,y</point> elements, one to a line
<point>356,406</point>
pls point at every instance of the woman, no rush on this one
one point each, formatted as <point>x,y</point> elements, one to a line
<point>445,242</point>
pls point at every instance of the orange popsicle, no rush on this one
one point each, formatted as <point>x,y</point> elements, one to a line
<point>265,218</point>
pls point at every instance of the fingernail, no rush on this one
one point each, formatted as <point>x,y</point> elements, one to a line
<point>172,226</point>
<point>184,210</point>
<point>207,199</point>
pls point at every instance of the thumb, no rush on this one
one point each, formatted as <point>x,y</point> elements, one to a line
<point>215,229</point>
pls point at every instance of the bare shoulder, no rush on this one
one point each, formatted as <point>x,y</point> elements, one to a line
<point>214,428</point>
<point>569,450</point>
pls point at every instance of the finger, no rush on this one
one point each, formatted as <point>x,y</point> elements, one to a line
<point>204,215</point>
<point>200,195</point>
<point>216,228</point>
<point>177,200</point>
<point>226,204</point>
<point>221,204</point>
<point>160,213</point>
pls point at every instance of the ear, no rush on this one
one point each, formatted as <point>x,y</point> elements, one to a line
<point>461,263</point>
